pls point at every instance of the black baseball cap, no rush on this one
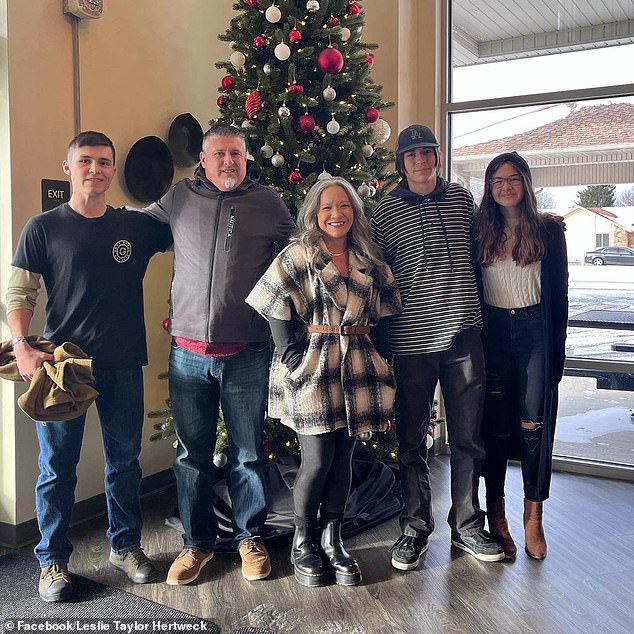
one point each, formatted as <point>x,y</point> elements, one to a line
<point>415,136</point>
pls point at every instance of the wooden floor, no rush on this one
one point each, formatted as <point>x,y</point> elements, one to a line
<point>586,584</point>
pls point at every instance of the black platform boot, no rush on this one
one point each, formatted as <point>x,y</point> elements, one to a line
<point>346,568</point>
<point>307,558</point>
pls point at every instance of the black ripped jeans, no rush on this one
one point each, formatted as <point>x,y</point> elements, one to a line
<point>513,341</point>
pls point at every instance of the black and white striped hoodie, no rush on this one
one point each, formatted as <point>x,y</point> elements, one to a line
<point>427,244</point>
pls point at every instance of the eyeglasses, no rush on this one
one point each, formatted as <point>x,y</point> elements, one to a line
<point>513,181</point>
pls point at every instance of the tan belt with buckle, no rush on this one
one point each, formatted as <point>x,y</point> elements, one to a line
<point>337,330</point>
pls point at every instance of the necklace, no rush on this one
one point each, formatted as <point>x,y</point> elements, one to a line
<point>336,254</point>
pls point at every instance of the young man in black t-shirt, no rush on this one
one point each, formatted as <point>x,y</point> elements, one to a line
<point>92,258</point>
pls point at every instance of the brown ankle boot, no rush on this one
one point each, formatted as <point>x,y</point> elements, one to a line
<point>499,528</point>
<point>533,530</point>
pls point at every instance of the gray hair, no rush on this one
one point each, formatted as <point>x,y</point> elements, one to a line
<point>224,130</point>
<point>359,236</point>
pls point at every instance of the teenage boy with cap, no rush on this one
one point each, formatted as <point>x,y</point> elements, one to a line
<point>424,229</point>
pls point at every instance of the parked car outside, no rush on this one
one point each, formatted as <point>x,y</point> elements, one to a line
<point>610,255</point>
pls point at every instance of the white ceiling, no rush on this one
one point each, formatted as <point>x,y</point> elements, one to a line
<point>494,30</point>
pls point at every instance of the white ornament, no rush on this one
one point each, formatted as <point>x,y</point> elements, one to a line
<point>324,176</point>
<point>429,441</point>
<point>329,93</point>
<point>282,51</point>
<point>345,34</point>
<point>266,151</point>
<point>247,124</point>
<point>220,460</point>
<point>367,150</point>
<point>312,6</point>
<point>372,190</point>
<point>273,14</point>
<point>284,112</point>
<point>363,190</point>
<point>237,59</point>
<point>267,68</point>
<point>333,126</point>
<point>365,436</point>
<point>277,160</point>
<point>380,131</point>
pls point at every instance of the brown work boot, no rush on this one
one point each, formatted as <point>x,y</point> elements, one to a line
<point>534,530</point>
<point>55,584</point>
<point>187,566</point>
<point>499,528</point>
<point>256,563</point>
<point>135,564</point>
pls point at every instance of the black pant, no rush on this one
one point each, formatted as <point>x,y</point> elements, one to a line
<point>460,370</point>
<point>514,352</point>
<point>324,475</point>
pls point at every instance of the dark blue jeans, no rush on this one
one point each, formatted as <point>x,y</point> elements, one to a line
<point>120,409</point>
<point>514,354</point>
<point>460,370</point>
<point>198,385</point>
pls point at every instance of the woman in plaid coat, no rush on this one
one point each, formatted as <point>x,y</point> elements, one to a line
<point>321,295</point>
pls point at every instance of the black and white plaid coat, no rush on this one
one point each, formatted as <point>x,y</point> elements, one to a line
<point>342,381</point>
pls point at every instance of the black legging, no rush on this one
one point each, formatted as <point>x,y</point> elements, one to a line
<point>324,475</point>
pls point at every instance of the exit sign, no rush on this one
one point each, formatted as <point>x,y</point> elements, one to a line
<point>54,193</point>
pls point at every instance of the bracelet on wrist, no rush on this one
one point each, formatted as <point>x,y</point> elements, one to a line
<point>17,340</point>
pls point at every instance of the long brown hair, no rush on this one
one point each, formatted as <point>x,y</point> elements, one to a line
<point>490,235</point>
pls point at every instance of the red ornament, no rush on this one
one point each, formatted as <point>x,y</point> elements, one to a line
<point>221,101</point>
<point>295,36</point>
<point>332,21</point>
<point>166,324</point>
<point>295,89</point>
<point>372,115</point>
<point>259,42</point>
<point>369,60</point>
<point>330,61</point>
<point>252,104</point>
<point>375,183</point>
<point>228,83</point>
<point>306,124</point>
<point>295,177</point>
<point>253,3</point>
<point>353,9</point>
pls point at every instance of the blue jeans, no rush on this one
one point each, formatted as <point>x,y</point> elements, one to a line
<point>198,385</point>
<point>120,409</point>
<point>514,352</point>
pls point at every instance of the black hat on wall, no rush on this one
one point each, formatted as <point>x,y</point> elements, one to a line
<point>149,169</point>
<point>185,140</point>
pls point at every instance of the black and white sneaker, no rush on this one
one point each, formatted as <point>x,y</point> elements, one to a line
<point>407,552</point>
<point>479,544</point>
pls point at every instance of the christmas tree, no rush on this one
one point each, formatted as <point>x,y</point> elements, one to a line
<point>298,83</point>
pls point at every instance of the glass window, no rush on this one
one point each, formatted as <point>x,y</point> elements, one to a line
<point>555,82</point>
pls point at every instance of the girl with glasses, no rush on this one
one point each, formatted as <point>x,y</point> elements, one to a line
<point>521,263</point>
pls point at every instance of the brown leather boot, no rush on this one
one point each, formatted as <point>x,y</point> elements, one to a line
<point>499,528</point>
<point>533,530</point>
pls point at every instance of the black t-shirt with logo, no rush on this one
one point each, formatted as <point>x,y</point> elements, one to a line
<point>93,272</point>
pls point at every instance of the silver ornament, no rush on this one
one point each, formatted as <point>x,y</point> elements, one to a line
<point>266,151</point>
<point>220,460</point>
<point>237,59</point>
<point>282,51</point>
<point>329,93</point>
<point>367,150</point>
<point>333,126</point>
<point>372,190</point>
<point>277,160</point>
<point>345,34</point>
<point>267,68</point>
<point>365,436</point>
<point>247,124</point>
<point>284,112</point>
<point>273,14</point>
<point>312,6</point>
<point>380,131</point>
<point>363,190</point>
<point>324,176</point>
